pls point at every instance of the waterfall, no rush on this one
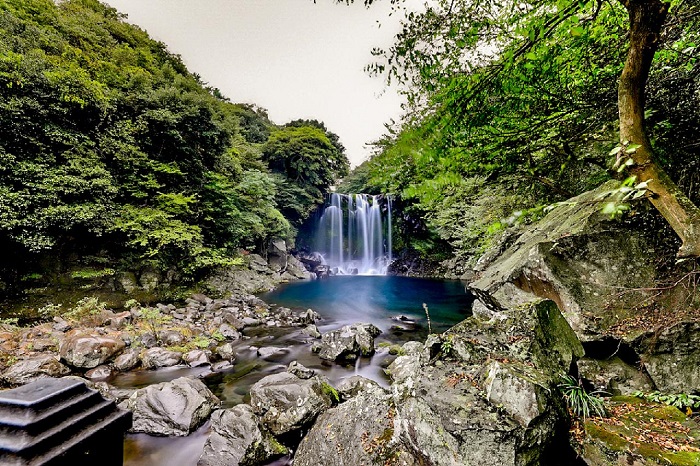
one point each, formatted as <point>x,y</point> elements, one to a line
<point>353,234</point>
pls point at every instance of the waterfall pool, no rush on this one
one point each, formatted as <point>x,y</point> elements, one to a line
<point>340,300</point>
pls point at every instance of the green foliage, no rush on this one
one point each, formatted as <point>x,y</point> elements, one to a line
<point>87,308</point>
<point>111,148</point>
<point>681,401</point>
<point>513,106</point>
<point>579,401</point>
<point>331,392</point>
<point>153,319</point>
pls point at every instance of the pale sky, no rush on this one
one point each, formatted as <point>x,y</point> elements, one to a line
<point>295,58</point>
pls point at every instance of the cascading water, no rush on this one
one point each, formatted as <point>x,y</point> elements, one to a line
<point>353,234</point>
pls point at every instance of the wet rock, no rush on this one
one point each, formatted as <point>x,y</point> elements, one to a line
<point>196,358</point>
<point>99,373</point>
<point>173,408</point>
<point>288,403</point>
<point>349,342</point>
<point>236,438</point>
<point>300,370</point>
<point>154,358</point>
<point>88,350</point>
<point>226,352</point>
<point>312,331</point>
<point>271,352</point>
<point>171,338</point>
<point>127,361</point>
<point>36,367</point>
<point>221,366</point>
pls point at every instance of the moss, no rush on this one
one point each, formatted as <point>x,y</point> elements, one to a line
<point>655,432</point>
<point>330,392</point>
<point>277,448</point>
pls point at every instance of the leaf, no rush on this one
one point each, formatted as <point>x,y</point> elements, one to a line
<point>577,31</point>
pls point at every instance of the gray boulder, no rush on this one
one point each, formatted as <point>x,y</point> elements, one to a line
<point>153,358</point>
<point>36,367</point>
<point>349,342</point>
<point>196,358</point>
<point>300,370</point>
<point>288,403</point>
<point>237,438</point>
<point>570,256</point>
<point>88,350</point>
<point>127,360</point>
<point>173,408</point>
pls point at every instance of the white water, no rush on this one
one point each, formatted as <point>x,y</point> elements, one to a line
<point>353,234</point>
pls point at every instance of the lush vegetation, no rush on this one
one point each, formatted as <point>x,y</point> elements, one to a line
<point>513,106</point>
<point>113,155</point>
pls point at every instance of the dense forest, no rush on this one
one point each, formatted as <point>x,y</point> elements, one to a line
<point>114,156</point>
<point>514,107</point>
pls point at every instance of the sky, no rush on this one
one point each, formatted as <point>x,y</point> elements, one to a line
<point>294,58</point>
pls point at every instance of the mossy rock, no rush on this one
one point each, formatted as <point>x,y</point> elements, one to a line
<point>642,433</point>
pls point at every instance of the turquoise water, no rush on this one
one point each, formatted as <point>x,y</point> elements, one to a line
<point>378,299</point>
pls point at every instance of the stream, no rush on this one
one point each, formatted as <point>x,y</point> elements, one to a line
<point>341,300</point>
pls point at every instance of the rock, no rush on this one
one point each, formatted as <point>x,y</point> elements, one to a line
<point>569,256</point>
<point>201,299</point>
<point>309,317</point>
<point>221,366</point>
<point>99,373</point>
<point>61,325</point>
<point>357,432</point>
<point>671,356</point>
<point>236,438</point>
<point>350,387</point>
<point>483,393</point>
<point>226,352</point>
<point>196,358</point>
<point>288,403</point>
<point>348,342</point>
<point>149,280</point>
<point>173,408</point>
<point>229,332</point>
<point>300,370</point>
<point>271,351</point>
<point>154,358</point>
<point>171,337</point>
<point>116,320</point>
<point>277,255</point>
<point>36,367</point>
<point>614,376</point>
<point>312,331</point>
<point>88,350</point>
<point>127,361</point>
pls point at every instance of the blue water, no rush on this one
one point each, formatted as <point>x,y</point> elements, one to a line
<point>378,299</point>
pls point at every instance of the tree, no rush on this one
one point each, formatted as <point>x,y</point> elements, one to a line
<point>475,70</point>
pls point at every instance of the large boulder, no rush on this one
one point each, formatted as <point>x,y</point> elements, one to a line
<point>359,431</point>
<point>572,256</point>
<point>237,438</point>
<point>30,369</point>
<point>153,358</point>
<point>348,342</point>
<point>288,403</point>
<point>173,408</point>
<point>614,376</point>
<point>87,350</point>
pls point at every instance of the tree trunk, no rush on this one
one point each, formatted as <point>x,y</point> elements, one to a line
<point>646,20</point>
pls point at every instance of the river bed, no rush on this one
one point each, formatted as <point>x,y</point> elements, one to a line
<point>379,300</point>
